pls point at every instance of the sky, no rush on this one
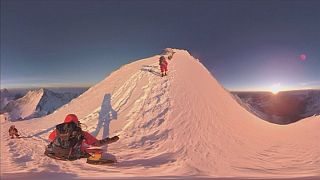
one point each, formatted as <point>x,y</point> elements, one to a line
<point>245,44</point>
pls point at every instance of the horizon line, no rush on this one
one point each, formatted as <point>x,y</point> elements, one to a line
<point>89,86</point>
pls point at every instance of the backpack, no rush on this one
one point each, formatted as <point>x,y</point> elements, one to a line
<point>67,143</point>
<point>162,62</point>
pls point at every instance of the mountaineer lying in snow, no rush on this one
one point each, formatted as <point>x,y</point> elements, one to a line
<point>69,142</point>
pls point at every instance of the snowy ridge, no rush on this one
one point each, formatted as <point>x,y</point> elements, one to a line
<point>180,125</point>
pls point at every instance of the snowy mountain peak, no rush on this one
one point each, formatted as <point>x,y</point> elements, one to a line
<point>37,92</point>
<point>181,124</point>
<point>41,91</point>
<point>36,103</point>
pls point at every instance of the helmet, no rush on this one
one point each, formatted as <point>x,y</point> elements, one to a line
<point>71,118</point>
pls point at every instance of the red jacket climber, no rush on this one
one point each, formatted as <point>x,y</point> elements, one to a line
<point>163,66</point>
<point>13,132</point>
<point>88,138</point>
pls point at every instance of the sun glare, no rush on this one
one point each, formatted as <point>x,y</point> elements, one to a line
<point>275,88</point>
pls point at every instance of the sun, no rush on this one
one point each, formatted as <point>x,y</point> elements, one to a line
<point>275,88</point>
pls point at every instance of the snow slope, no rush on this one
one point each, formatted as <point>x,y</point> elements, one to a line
<point>36,103</point>
<point>185,124</point>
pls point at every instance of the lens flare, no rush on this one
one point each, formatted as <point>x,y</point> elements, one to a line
<point>275,88</point>
<point>303,57</point>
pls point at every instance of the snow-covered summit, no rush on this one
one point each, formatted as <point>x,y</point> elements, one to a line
<point>182,124</point>
<point>36,103</point>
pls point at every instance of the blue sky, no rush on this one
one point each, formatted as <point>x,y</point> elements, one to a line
<point>247,45</point>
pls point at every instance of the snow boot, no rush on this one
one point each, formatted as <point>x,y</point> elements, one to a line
<point>96,159</point>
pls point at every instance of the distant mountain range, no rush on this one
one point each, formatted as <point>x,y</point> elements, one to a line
<point>283,108</point>
<point>35,103</point>
<point>6,97</point>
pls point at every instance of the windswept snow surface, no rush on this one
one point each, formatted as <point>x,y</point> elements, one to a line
<point>182,125</point>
